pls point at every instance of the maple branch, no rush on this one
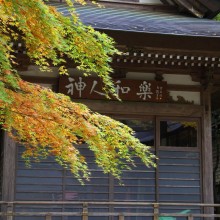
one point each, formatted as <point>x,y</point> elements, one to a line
<point>25,114</point>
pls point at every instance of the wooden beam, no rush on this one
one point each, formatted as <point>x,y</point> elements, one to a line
<point>166,41</point>
<point>200,8</point>
<point>41,80</point>
<point>174,2</point>
<point>165,2</point>
<point>143,109</point>
<point>213,5</point>
<point>143,67</point>
<point>186,5</point>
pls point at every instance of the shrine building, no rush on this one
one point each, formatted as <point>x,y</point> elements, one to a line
<point>167,77</point>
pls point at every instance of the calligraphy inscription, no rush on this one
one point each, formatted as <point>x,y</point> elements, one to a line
<point>127,89</point>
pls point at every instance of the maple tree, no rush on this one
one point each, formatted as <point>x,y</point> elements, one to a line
<point>47,123</point>
<point>217,17</point>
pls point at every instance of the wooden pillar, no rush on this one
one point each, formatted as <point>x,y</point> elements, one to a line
<point>8,187</point>
<point>207,151</point>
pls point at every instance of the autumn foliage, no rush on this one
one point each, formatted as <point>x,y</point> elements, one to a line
<point>47,123</point>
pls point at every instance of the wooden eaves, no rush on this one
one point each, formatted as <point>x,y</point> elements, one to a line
<point>198,8</point>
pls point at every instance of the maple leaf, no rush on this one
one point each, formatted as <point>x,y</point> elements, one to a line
<point>47,123</point>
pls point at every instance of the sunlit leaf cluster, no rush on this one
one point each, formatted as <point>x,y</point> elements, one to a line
<point>47,123</point>
<point>217,17</point>
<point>51,38</point>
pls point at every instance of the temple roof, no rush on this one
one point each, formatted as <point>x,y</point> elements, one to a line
<point>134,20</point>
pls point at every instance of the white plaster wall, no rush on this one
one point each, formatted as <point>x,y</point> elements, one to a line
<point>178,79</point>
<point>189,96</point>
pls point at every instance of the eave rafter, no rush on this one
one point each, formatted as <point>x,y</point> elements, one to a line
<point>145,59</point>
<point>162,58</point>
<point>200,8</point>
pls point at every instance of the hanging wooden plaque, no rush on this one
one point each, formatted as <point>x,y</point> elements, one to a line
<point>127,89</point>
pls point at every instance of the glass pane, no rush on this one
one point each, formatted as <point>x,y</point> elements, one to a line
<point>144,130</point>
<point>178,133</point>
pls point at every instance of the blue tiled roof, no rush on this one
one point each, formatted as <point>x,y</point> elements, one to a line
<point>134,20</point>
